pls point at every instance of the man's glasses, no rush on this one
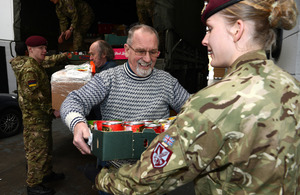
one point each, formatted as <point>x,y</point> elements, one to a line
<point>142,52</point>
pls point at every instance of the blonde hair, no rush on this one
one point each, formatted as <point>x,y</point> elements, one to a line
<point>267,15</point>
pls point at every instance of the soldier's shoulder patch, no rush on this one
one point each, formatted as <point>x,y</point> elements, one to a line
<point>32,83</point>
<point>160,156</point>
<point>168,140</point>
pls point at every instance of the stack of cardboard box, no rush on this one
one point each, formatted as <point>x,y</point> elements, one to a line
<point>64,81</point>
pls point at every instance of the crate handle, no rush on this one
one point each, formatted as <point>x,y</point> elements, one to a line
<point>146,143</point>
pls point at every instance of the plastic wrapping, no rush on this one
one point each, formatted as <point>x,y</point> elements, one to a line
<point>72,77</point>
<point>73,73</point>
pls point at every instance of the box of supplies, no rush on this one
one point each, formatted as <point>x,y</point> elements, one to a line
<point>78,57</point>
<point>72,77</point>
<point>118,145</point>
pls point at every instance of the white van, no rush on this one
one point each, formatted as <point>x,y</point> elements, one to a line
<point>7,45</point>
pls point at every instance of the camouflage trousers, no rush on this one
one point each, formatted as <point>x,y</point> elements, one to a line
<point>145,10</point>
<point>80,33</point>
<point>38,151</point>
<point>78,41</point>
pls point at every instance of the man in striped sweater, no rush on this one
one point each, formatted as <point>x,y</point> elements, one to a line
<point>132,91</point>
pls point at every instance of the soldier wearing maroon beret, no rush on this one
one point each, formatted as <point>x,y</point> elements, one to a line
<point>35,102</point>
<point>22,55</point>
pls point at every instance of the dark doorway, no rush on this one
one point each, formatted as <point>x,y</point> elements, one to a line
<point>3,72</point>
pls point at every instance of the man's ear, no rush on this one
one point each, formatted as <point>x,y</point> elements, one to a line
<point>238,30</point>
<point>103,55</point>
<point>126,47</point>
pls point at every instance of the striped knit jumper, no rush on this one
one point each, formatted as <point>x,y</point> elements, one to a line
<point>125,96</point>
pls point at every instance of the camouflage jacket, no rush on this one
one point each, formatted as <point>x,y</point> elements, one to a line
<point>77,11</point>
<point>50,61</point>
<point>237,136</point>
<point>34,93</point>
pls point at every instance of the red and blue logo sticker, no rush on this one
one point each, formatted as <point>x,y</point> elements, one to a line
<point>168,140</point>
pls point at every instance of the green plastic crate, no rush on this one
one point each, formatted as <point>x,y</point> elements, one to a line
<point>113,39</point>
<point>117,145</point>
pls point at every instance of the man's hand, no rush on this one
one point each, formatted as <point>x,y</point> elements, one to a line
<point>81,132</point>
<point>68,34</point>
<point>56,113</point>
<point>61,38</point>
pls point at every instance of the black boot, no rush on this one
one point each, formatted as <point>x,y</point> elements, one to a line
<point>53,177</point>
<point>39,190</point>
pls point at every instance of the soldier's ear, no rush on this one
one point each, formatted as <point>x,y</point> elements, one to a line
<point>238,30</point>
<point>29,49</point>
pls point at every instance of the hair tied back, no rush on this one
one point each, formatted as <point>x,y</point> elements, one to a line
<point>275,15</point>
<point>283,14</point>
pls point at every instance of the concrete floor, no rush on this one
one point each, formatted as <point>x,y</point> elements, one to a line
<point>66,159</point>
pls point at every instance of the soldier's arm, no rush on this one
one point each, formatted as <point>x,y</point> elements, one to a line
<point>54,60</point>
<point>63,20</point>
<point>72,9</point>
<point>173,159</point>
<point>29,81</point>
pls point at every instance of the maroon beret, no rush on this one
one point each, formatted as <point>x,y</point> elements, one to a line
<point>215,6</point>
<point>34,41</point>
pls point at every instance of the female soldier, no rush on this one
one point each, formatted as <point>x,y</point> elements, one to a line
<point>238,136</point>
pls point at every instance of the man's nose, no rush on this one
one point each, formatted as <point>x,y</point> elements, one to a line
<point>147,57</point>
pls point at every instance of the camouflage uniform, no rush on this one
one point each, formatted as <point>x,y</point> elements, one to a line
<point>50,61</point>
<point>145,10</point>
<point>35,101</point>
<point>238,136</point>
<point>81,16</point>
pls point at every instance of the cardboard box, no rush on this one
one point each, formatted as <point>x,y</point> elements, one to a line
<point>118,145</point>
<point>60,90</point>
<point>66,80</point>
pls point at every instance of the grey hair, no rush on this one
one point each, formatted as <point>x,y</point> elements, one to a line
<point>105,48</point>
<point>145,28</point>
